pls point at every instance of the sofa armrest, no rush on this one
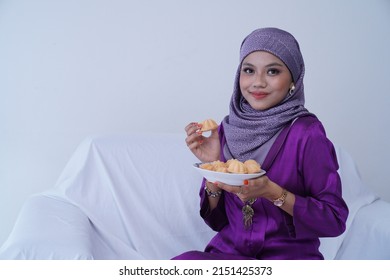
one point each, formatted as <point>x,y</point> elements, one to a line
<point>132,196</point>
<point>369,235</point>
<point>48,228</point>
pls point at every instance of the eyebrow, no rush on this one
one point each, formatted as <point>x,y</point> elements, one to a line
<point>268,65</point>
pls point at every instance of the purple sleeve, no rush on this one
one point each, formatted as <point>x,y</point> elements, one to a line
<point>215,219</point>
<point>322,212</point>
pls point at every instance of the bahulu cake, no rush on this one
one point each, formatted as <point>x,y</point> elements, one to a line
<point>208,125</point>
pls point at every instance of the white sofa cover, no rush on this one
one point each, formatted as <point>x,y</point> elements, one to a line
<point>135,196</point>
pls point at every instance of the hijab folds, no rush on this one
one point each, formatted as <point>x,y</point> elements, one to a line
<point>247,129</point>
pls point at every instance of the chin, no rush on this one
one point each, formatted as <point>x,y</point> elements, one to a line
<point>259,107</point>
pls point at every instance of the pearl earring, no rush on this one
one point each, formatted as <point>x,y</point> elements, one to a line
<point>291,91</point>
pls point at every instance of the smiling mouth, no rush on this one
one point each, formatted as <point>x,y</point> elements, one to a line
<point>259,95</point>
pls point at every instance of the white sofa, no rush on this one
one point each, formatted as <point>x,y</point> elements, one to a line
<point>135,196</point>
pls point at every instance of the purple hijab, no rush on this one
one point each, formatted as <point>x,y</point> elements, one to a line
<point>247,129</point>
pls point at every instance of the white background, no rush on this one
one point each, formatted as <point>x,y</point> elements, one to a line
<point>69,69</point>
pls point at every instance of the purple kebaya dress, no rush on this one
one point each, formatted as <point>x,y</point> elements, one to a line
<point>303,161</point>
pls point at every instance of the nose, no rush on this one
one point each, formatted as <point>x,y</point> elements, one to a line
<point>259,81</point>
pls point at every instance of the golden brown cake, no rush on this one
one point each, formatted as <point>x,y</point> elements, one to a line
<point>208,125</point>
<point>236,166</point>
<point>222,169</point>
<point>218,164</point>
<point>207,166</point>
<point>252,166</point>
<point>232,166</point>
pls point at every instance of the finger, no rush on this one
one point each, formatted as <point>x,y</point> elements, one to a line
<point>194,138</point>
<point>192,134</point>
<point>214,132</point>
<point>242,192</point>
<point>193,145</point>
<point>192,127</point>
<point>229,188</point>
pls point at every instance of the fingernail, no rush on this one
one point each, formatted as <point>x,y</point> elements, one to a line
<point>246,182</point>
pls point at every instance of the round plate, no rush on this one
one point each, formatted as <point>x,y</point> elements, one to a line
<point>232,179</point>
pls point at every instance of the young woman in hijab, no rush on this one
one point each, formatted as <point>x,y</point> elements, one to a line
<point>282,214</point>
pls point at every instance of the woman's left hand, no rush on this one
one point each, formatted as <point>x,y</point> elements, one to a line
<point>261,187</point>
<point>254,188</point>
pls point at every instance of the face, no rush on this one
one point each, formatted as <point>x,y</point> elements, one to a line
<point>264,80</point>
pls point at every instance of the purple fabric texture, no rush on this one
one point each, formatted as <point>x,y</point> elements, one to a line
<point>247,129</point>
<point>303,161</point>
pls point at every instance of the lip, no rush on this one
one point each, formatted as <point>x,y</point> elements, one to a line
<point>259,95</point>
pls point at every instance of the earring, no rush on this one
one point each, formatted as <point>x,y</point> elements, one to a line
<point>291,91</point>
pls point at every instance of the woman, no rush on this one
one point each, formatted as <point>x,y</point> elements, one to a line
<point>282,214</point>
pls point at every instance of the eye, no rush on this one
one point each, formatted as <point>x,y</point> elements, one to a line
<point>247,70</point>
<point>273,71</point>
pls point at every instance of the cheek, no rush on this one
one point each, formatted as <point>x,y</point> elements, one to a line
<point>282,85</point>
<point>244,82</point>
<point>240,83</point>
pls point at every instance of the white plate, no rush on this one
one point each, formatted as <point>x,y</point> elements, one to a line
<point>227,178</point>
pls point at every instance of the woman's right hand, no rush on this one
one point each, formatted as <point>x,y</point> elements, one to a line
<point>206,149</point>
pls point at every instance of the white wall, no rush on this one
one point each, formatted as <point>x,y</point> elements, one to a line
<point>73,68</point>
